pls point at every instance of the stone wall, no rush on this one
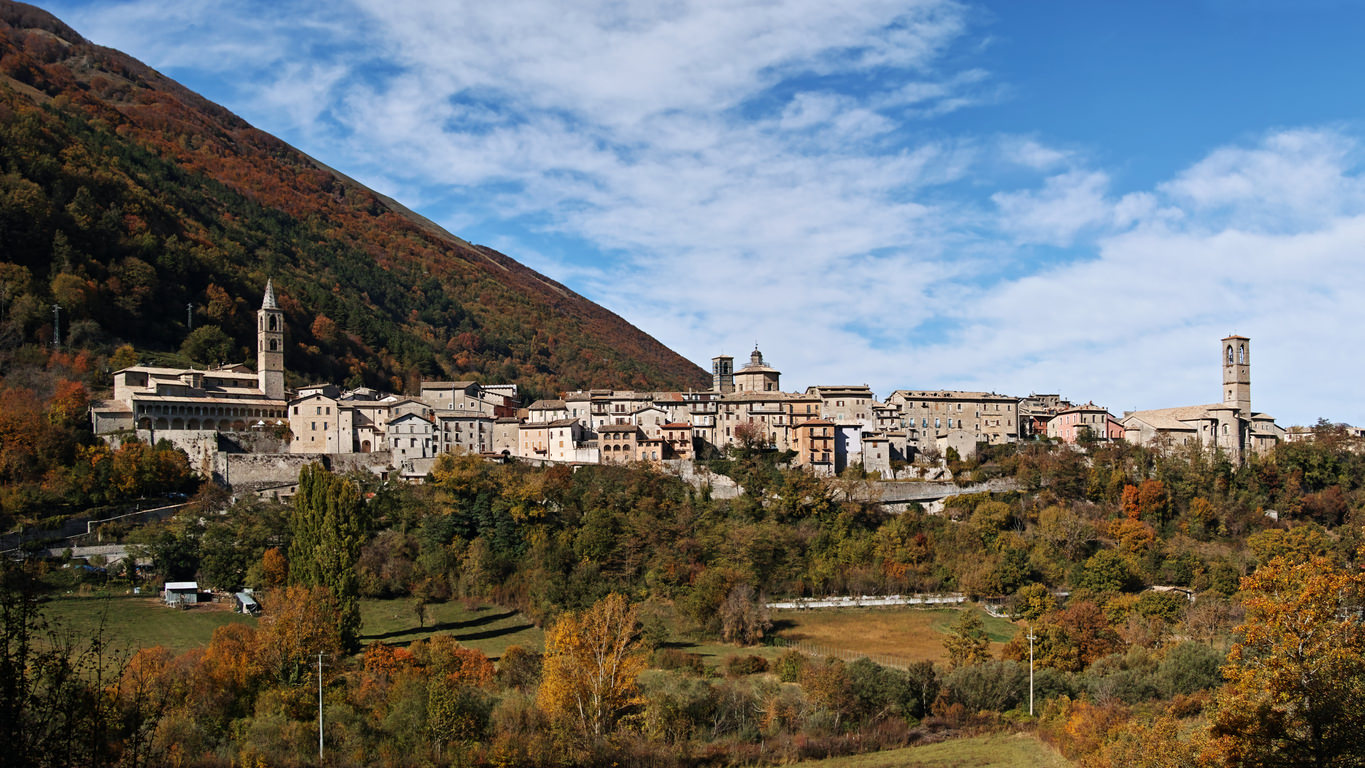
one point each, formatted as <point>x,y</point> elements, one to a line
<point>252,472</point>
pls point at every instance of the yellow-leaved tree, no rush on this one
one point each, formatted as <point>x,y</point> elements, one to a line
<point>1296,680</point>
<point>592,660</point>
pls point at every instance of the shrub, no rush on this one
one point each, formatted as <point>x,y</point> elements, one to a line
<point>789,665</point>
<point>674,658</point>
<point>738,666</point>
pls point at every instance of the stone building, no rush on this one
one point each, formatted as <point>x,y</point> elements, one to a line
<point>846,404</point>
<point>757,376</point>
<point>160,402</point>
<point>986,416</point>
<point>814,441</point>
<point>411,437</point>
<point>1230,426</point>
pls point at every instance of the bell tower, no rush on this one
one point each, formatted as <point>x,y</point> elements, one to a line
<point>1236,352</point>
<point>270,346</point>
<point>723,373</point>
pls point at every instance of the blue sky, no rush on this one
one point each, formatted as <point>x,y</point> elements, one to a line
<point>1073,197</point>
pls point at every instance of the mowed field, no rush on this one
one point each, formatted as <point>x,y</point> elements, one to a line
<point>132,622</point>
<point>998,750</point>
<point>139,621</point>
<point>909,634</point>
<point>485,628</point>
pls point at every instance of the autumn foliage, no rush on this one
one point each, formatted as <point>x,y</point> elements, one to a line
<point>591,664</point>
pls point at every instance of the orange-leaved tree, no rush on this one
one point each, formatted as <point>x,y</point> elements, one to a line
<point>298,624</point>
<point>592,660</point>
<point>1296,679</point>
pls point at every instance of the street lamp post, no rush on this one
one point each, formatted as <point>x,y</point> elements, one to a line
<point>1031,638</point>
<point>319,707</point>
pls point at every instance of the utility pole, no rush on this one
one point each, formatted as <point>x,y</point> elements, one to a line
<point>1031,638</point>
<point>320,708</point>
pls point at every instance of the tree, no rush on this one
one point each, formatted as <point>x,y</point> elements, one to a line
<point>297,625</point>
<point>1295,692</point>
<point>743,616</point>
<point>328,525</point>
<point>967,643</point>
<point>207,344</point>
<point>592,660</point>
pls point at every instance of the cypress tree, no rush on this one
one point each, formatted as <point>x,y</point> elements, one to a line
<point>328,524</point>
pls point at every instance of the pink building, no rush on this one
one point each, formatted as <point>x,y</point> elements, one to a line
<point>1080,421</point>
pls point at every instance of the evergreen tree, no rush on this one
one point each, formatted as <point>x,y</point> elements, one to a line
<point>328,524</point>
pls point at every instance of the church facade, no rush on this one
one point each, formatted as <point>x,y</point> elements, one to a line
<point>1230,426</point>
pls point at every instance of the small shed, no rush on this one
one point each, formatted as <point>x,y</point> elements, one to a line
<point>246,603</point>
<point>181,592</point>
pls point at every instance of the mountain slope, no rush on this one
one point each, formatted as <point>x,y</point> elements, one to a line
<point>128,200</point>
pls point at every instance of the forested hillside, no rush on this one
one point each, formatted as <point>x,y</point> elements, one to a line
<point>1175,621</point>
<point>126,199</point>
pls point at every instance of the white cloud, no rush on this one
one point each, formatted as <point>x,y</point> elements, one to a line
<point>763,171</point>
<point>1292,178</point>
<point>1067,203</point>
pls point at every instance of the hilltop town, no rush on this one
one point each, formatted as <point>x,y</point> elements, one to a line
<point>247,430</point>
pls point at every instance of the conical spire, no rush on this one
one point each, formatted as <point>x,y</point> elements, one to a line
<point>269,302</point>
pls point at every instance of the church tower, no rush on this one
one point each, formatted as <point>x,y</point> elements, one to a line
<point>270,346</point>
<point>723,374</point>
<point>1237,374</point>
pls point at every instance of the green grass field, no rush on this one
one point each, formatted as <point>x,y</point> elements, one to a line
<point>133,622</point>
<point>486,628</point>
<point>998,750</point>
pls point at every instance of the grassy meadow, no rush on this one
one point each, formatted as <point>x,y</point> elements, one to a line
<point>907,634</point>
<point>997,750</point>
<point>130,622</point>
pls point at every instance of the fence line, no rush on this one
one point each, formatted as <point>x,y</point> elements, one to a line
<point>843,654</point>
<point>867,601</point>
